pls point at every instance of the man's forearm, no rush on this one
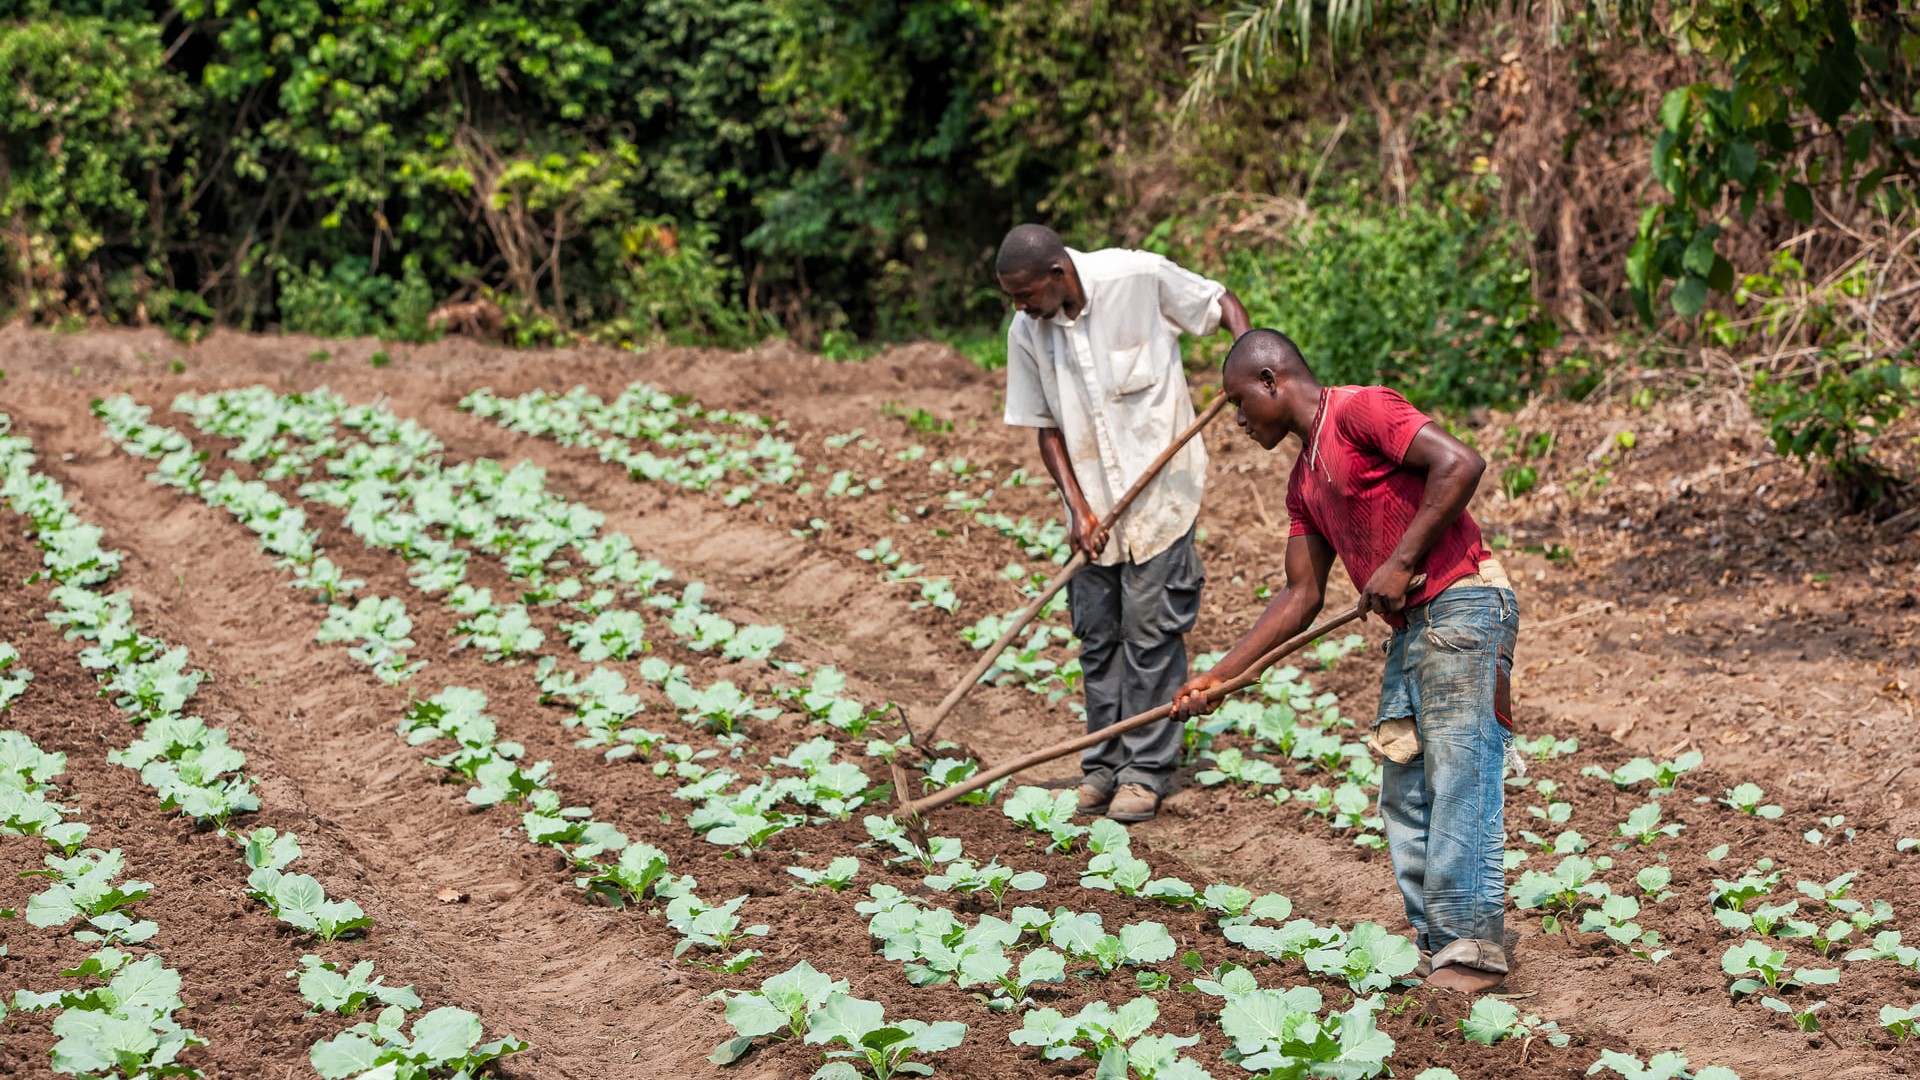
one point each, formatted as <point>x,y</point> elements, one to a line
<point>1288,614</point>
<point>1233,315</point>
<point>1053,453</point>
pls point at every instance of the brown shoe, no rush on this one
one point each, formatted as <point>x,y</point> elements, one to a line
<point>1133,802</point>
<point>1093,799</point>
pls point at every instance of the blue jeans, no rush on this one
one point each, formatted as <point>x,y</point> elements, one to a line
<point>1448,670</point>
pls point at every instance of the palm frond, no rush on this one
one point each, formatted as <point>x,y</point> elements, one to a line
<point>1237,48</point>
<point>1254,31</point>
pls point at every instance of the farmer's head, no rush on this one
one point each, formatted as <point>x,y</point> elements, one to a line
<point>1036,273</point>
<point>1269,386</point>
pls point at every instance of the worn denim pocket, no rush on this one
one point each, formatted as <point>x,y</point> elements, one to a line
<point>1459,623</point>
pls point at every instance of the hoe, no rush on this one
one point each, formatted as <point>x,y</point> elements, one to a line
<point>923,740</point>
<point>912,813</point>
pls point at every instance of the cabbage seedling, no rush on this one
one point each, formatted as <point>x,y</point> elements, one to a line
<point>1757,958</point>
<point>1746,799</point>
<point>327,990</point>
<point>1664,774</point>
<point>780,1008</point>
<point>13,681</point>
<point>885,1049</point>
<point>837,876</point>
<point>83,887</point>
<point>992,879</point>
<point>1643,825</point>
<point>1887,946</point>
<point>1670,1065</point>
<point>1901,1022</point>
<point>1049,812</point>
<point>445,1041</point>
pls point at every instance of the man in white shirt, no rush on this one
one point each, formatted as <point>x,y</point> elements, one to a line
<point>1093,363</point>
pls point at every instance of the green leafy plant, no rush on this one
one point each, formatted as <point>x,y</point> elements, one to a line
<point>1047,812</point>
<point>992,879</point>
<point>84,886</point>
<point>1802,1017</point>
<point>1369,958</point>
<point>1767,920</point>
<point>125,1028</point>
<point>13,681</point>
<point>1756,966</point>
<point>1668,1065</point>
<point>1746,799</point>
<point>1643,825</point>
<point>1665,775</point>
<point>327,989</point>
<point>1103,1028</point>
<point>1887,946</point>
<point>1561,892</point>
<point>838,874</point>
<point>706,925</point>
<point>1751,886</point>
<point>445,1041</point>
<point>1545,747</point>
<point>884,1049</point>
<point>1236,765</point>
<point>302,903</point>
<point>1901,1022</point>
<point>1835,419</point>
<point>1282,1030</point>
<point>1614,918</point>
<point>780,1008</point>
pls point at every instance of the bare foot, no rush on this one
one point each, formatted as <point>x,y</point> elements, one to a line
<point>1466,980</point>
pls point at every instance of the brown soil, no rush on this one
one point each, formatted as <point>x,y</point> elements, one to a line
<point>1748,622</point>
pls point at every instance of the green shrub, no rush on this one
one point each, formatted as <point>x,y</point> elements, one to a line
<point>88,113</point>
<point>1424,299</point>
<point>674,290</point>
<point>348,300</point>
<point>1832,420</point>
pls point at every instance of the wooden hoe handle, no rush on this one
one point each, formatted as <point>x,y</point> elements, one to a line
<point>1074,566</point>
<point>919,807</point>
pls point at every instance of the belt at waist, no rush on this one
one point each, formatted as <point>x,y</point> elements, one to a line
<point>1491,574</point>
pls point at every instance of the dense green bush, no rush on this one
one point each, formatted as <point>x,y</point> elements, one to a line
<point>648,171</point>
<point>89,118</point>
<point>327,167</point>
<point>1833,417</point>
<point>348,300</point>
<point>709,171</point>
<point>1426,299</point>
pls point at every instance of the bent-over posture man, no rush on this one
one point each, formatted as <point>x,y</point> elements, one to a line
<point>1386,490</point>
<point>1093,362</point>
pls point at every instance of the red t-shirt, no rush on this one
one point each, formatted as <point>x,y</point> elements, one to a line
<point>1350,488</point>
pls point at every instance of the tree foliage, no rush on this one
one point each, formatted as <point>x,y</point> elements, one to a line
<point>1808,104</point>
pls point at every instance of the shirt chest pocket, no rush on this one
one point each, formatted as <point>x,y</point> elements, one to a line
<point>1133,369</point>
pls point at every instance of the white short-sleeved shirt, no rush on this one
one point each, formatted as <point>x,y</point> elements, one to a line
<point>1112,382</point>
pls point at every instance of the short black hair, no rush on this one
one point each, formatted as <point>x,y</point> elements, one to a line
<point>1028,250</point>
<point>1269,349</point>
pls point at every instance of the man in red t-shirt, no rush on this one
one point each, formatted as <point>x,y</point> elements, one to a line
<point>1382,487</point>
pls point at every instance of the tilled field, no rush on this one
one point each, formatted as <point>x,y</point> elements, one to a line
<point>871,512</point>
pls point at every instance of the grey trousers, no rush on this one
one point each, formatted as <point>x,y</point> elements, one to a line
<point>1132,620</point>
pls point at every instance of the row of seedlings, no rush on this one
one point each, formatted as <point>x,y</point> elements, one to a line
<point>194,771</point>
<point>1823,915</point>
<point>703,460</point>
<point>457,714</point>
<point>123,1017</point>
